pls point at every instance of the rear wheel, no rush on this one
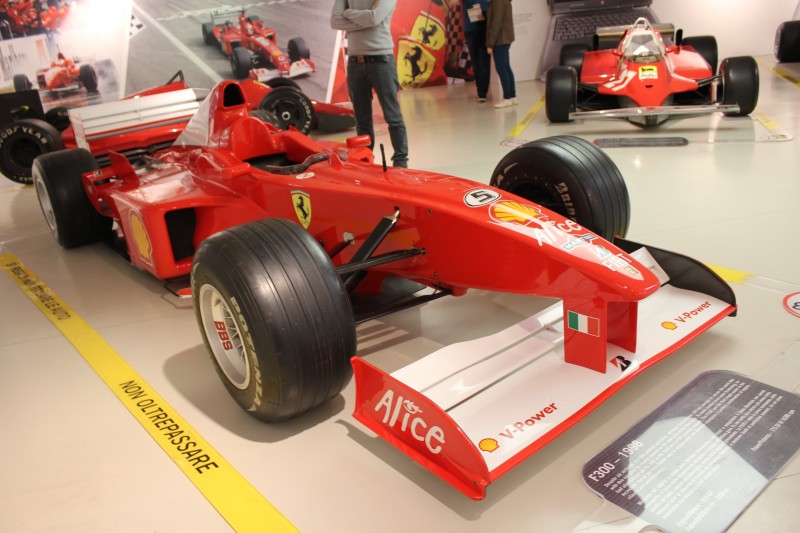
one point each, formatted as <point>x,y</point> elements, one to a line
<point>706,46</point>
<point>70,215</point>
<point>88,77</point>
<point>298,49</point>
<point>208,34</point>
<point>561,93</point>
<point>265,116</point>
<point>275,316</point>
<point>291,107</point>
<point>572,56</point>
<point>22,83</point>
<point>787,42</point>
<point>739,84</point>
<point>241,62</point>
<point>572,177</point>
<point>21,142</point>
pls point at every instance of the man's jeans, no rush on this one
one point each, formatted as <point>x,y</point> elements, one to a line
<point>378,73</point>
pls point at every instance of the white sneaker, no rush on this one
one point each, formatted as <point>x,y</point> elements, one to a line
<point>506,103</point>
<point>481,100</point>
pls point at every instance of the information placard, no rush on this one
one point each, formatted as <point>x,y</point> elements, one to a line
<point>700,459</point>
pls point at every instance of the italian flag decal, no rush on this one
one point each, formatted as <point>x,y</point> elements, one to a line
<point>583,323</point>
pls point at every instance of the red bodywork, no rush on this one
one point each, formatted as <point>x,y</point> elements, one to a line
<point>206,174</point>
<point>62,74</point>
<point>259,39</point>
<point>160,135</point>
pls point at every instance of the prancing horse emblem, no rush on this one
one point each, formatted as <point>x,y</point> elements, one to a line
<point>302,207</point>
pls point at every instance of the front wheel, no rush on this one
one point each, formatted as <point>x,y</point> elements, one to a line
<point>572,177</point>
<point>241,62</point>
<point>275,316</point>
<point>291,107</point>
<point>70,215</point>
<point>298,49</point>
<point>739,84</point>
<point>561,93</point>
<point>21,142</point>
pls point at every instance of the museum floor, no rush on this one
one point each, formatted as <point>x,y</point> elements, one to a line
<point>74,459</point>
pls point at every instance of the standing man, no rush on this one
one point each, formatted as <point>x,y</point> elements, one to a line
<point>499,36</point>
<point>475,35</point>
<point>371,65</point>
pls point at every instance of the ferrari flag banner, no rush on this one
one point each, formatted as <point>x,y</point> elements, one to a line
<point>583,323</point>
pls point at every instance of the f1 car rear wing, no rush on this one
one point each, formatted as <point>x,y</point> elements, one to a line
<point>100,121</point>
<point>472,411</point>
<point>224,15</point>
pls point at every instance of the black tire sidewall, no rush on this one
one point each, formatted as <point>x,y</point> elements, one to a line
<point>787,42</point>
<point>287,100</point>
<point>297,313</point>
<point>35,137</point>
<point>561,93</point>
<point>740,84</point>
<point>241,62</point>
<point>573,177</point>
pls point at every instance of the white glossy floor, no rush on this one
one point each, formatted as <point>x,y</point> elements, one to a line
<point>73,459</point>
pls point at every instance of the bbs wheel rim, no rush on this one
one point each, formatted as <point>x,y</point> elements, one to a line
<point>44,202</point>
<point>224,331</point>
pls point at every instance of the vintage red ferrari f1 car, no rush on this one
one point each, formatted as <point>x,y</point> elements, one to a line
<point>650,74</point>
<point>285,238</point>
<point>144,122</point>
<point>253,49</point>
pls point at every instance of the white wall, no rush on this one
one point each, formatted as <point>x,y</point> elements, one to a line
<point>741,27</point>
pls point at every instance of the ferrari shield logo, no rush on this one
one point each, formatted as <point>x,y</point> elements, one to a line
<point>140,238</point>
<point>414,63</point>
<point>301,202</point>
<point>429,31</point>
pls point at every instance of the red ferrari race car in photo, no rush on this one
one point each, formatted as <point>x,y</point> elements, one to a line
<point>648,75</point>
<point>253,48</point>
<point>62,75</point>
<point>288,243</point>
<point>165,110</point>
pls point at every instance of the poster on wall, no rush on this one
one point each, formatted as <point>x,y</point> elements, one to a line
<point>72,51</point>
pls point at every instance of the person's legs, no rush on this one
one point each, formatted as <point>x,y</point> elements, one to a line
<point>481,60</point>
<point>360,89</point>
<point>502,63</point>
<point>383,75</point>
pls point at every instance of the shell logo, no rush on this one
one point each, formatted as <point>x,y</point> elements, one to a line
<point>669,325</point>
<point>140,238</point>
<point>488,445</point>
<point>514,212</point>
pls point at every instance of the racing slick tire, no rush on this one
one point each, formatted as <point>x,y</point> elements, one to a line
<point>21,141</point>
<point>298,49</point>
<point>265,116</point>
<point>787,42</point>
<point>706,46</point>
<point>22,83</point>
<point>291,107</point>
<point>58,117</point>
<point>739,84</point>
<point>572,56</point>
<point>70,215</point>
<point>241,62</point>
<point>279,81</point>
<point>275,316</point>
<point>561,93</point>
<point>572,177</point>
<point>208,34</point>
<point>88,77</point>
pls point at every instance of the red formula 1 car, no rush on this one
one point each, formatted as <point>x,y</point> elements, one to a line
<point>650,74</point>
<point>28,132</point>
<point>62,75</point>
<point>253,48</point>
<point>287,240</point>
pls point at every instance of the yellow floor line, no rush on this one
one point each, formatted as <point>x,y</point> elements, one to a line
<point>236,500</point>
<point>527,119</point>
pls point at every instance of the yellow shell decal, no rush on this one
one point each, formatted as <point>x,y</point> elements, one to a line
<point>514,212</point>
<point>140,238</point>
<point>488,445</point>
<point>301,202</point>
